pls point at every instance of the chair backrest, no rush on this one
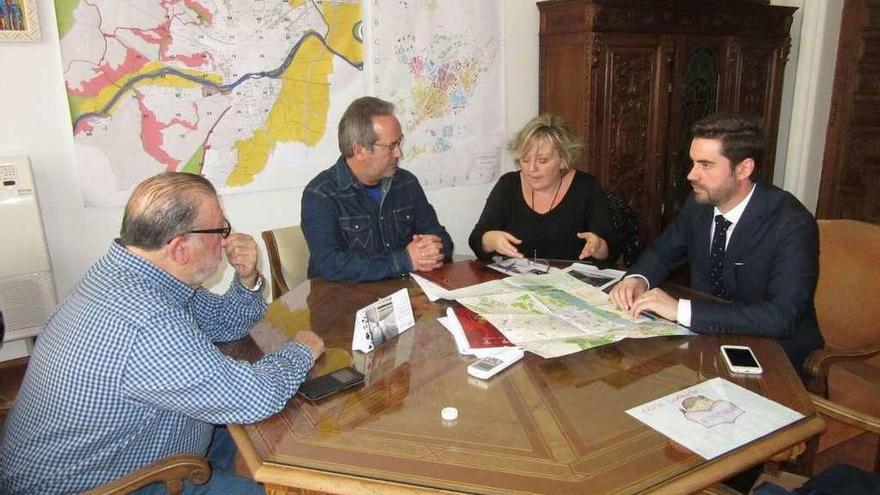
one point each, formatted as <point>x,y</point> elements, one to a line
<point>625,222</point>
<point>849,281</point>
<point>288,258</point>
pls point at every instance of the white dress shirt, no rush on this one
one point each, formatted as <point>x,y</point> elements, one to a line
<point>684,305</point>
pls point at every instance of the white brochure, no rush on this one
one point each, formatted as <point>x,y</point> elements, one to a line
<point>381,321</point>
<point>714,417</point>
<point>432,291</point>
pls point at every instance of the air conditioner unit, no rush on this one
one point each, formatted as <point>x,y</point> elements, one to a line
<point>27,290</point>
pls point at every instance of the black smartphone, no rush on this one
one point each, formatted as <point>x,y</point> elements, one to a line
<point>325,385</point>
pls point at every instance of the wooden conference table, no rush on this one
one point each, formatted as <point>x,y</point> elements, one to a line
<point>549,426</point>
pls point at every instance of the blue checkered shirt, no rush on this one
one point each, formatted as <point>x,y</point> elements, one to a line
<point>126,372</point>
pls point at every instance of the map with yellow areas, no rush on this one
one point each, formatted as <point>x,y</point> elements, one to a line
<point>243,92</point>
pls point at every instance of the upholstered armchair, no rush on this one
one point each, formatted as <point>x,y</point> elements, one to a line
<point>288,257</point>
<point>847,371</point>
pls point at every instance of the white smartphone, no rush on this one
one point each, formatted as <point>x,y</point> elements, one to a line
<point>741,359</point>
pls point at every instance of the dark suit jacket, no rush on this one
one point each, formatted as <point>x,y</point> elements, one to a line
<point>770,270</point>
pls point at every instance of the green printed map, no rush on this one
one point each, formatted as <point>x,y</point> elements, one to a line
<point>556,314</point>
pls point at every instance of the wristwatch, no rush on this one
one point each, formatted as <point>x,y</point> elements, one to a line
<point>258,287</point>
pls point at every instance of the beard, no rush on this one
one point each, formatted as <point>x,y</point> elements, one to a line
<point>715,197</point>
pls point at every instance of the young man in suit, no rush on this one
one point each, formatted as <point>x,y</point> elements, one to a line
<point>748,242</point>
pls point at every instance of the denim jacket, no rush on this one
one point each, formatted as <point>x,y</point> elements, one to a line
<point>351,238</point>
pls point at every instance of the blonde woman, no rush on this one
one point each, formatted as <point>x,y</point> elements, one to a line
<point>546,209</point>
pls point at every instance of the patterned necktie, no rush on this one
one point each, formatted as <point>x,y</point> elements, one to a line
<point>716,256</point>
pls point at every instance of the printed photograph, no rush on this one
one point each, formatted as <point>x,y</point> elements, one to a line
<point>593,279</point>
<point>381,322</point>
<point>12,15</point>
<point>18,21</point>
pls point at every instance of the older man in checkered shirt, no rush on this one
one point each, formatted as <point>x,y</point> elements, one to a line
<point>126,371</point>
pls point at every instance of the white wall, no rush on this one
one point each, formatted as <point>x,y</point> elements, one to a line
<point>36,122</point>
<point>806,117</point>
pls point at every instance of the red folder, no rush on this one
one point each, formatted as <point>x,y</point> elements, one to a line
<point>480,333</point>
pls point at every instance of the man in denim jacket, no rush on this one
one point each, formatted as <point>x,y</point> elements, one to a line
<point>364,218</point>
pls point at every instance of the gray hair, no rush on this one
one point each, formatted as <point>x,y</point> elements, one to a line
<point>551,127</point>
<point>163,207</point>
<point>356,125</point>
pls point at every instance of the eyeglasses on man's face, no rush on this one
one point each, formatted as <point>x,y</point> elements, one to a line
<point>223,231</point>
<point>393,145</point>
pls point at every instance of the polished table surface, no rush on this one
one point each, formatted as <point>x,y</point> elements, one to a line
<point>552,426</point>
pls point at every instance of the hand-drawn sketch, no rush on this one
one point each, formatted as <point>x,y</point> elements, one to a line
<point>707,412</point>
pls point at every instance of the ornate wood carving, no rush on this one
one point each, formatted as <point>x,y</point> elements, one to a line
<point>596,45</point>
<point>686,19</point>
<point>630,103</point>
<point>850,184</point>
<point>645,16</point>
<point>754,76</point>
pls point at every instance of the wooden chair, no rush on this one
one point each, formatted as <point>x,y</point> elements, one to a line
<point>11,376</point>
<point>172,470</point>
<point>847,371</point>
<point>288,257</point>
<point>835,411</point>
<point>829,411</point>
<point>625,221</point>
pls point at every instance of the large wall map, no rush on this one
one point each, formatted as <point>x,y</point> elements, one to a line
<point>241,91</point>
<point>248,93</point>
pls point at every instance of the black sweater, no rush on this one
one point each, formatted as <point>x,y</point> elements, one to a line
<point>552,235</point>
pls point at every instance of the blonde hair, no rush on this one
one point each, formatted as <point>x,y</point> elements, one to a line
<point>551,127</point>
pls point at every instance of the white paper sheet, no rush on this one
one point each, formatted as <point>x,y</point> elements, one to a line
<point>432,291</point>
<point>714,417</point>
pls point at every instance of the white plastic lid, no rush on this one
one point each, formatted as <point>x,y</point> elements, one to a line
<point>449,413</point>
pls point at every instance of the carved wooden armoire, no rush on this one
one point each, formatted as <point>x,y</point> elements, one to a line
<point>631,76</point>
<point>850,186</point>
